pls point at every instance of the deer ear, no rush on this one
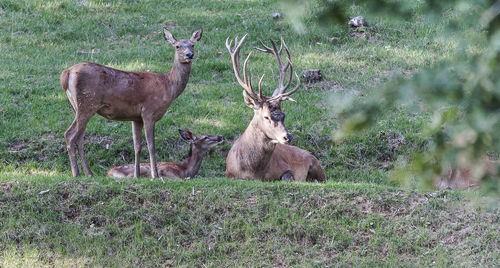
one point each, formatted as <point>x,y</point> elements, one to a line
<point>250,102</point>
<point>186,134</point>
<point>169,36</point>
<point>196,35</point>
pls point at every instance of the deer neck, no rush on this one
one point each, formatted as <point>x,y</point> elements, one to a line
<point>178,76</point>
<point>192,163</point>
<point>258,147</point>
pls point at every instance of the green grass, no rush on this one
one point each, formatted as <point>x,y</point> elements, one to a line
<point>359,217</point>
<point>219,222</point>
<point>41,38</point>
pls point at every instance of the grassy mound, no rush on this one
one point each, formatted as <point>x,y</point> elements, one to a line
<point>220,222</point>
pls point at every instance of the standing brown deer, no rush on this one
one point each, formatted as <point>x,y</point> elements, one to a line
<point>140,97</point>
<point>187,168</point>
<point>261,152</point>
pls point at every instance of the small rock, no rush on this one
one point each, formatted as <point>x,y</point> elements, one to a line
<point>356,22</point>
<point>276,15</point>
<point>44,192</point>
<point>312,76</point>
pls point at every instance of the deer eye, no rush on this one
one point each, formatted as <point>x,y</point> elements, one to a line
<point>266,117</point>
<point>177,47</point>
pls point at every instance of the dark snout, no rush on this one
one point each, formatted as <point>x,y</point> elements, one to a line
<point>190,55</point>
<point>219,138</point>
<point>288,138</point>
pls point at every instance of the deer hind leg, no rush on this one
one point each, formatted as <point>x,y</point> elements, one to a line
<point>74,140</point>
<point>149,129</point>
<point>69,135</point>
<point>300,174</point>
<point>78,139</point>
<point>81,152</point>
<point>137,137</point>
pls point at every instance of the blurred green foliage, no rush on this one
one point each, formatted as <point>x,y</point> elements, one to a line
<point>462,93</point>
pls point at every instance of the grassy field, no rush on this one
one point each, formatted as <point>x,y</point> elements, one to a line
<point>359,217</point>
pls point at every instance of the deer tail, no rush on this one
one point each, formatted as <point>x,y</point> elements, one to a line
<point>64,79</point>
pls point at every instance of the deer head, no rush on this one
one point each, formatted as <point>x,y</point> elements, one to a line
<point>184,49</point>
<point>268,116</point>
<point>202,143</point>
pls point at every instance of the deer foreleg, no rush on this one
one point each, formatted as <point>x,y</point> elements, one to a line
<point>149,129</point>
<point>137,136</point>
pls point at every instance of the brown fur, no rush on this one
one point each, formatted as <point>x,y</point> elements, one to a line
<point>189,167</point>
<point>303,165</point>
<point>64,79</point>
<point>140,97</point>
<point>261,151</point>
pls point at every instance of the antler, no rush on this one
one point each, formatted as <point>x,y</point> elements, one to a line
<point>279,91</point>
<point>246,82</point>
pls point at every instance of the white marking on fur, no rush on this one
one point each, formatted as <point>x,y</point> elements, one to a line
<point>71,92</point>
<point>118,174</point>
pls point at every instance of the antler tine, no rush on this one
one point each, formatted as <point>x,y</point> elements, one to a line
<point>246,83</point>
<point>260,89</point>
<point>285,87</point>
<point>288,64</point>
<point>285,96</point>
<point>287,53</point>
<point>245,69</point>
<point>281,87</point>
<point>266,48</point>
<point>249,83</point>
<point>295,88</point>
<point>281,44</point>
<point>228,44</point>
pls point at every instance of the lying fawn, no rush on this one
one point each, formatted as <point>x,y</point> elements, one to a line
<point>140,97</point>
<point>187,168</point>
<point>261,152</point>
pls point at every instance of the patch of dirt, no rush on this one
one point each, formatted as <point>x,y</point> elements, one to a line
<point>362,32</point>
<point>394,139</point>
<point>18,146</point>
<point>6,187</point>
<point>103,140</point>
<point>39,144</point>
<point>72,213</point>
